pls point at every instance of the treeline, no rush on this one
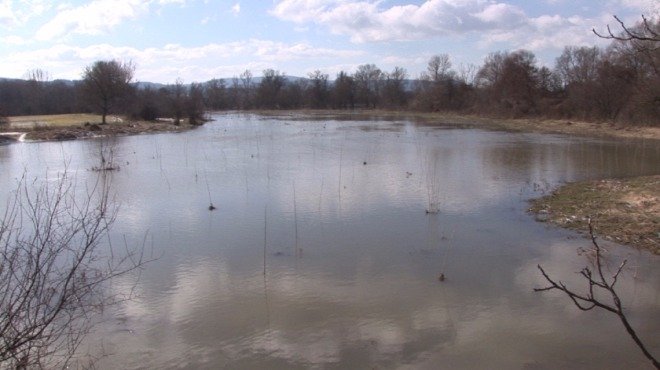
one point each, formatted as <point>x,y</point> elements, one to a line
<point>100,92</point>
<point>619,83</point>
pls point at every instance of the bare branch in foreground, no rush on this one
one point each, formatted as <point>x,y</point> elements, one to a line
<point>647,33</point>
<point>55,268</point>
<point>597,282</point>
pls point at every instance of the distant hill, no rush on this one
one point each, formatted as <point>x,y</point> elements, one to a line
<point>149,85</point>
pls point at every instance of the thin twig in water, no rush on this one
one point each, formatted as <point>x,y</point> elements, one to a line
<point>341,154</point>
<point>265,235</point>
<point>295,219</point>
<point>208,189</point>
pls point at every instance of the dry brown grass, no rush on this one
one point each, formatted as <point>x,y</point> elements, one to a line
<point>72,126</point>
<point>57,120</point>
<point>624,210</point>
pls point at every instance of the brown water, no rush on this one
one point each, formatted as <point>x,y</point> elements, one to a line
<point>352,256</point>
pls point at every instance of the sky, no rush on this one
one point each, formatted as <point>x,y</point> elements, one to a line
<point>198,40</point>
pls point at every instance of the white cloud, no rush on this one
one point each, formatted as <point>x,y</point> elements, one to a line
<point>12,40</point>
<point>367,21</point>
<point>650,8</point>
<point>96,17</point>
<point>492,23</point>
<point>91,19</point>
<point>7,16</point>
<point>501,15</point>
<point>236,9</point>
<point>164,64</point>
<point>18,13</point>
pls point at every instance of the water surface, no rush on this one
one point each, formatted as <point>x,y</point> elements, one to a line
<point>352,256</point>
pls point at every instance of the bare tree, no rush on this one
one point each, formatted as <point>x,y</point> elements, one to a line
<point>490,73</point>
<point>467,73</point>
<point>343,91</point>
<point>634,60</point>
<point>215,94</point>
<point>195,104</point>
<point>394,89</point>
<point>54,267</point>
<point>319,89</point>
<point>647,32</point>
<point>35,90</point>
<point>438,67</point>
<point>178,96</point>
<point>578,65</point>
<point>269,89</point>
<point>368,79</point>
<point>106,83</point>
<point>246,88</point>
<point>592,299</point>
<point>37,75</point>
<point>510,81</point>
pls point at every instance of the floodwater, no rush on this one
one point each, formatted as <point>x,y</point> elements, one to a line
<point>321,253</point>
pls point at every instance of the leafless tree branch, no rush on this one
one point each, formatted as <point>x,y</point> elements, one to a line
<point>648,33</point>
<point>54,270</point>
<point>589,300</point>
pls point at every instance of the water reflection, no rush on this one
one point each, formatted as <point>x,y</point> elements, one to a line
<point>358,287</point>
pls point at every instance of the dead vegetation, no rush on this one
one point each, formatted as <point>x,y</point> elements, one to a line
<point>75,126</point>
<point>626,211</point>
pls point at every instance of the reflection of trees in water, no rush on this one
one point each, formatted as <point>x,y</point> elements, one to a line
<point>435,166</point>
<point>569,160</point>
<point>358,288</point>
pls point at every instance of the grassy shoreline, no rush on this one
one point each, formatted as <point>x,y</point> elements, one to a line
<point>626,211</point>
<point>78,126</point>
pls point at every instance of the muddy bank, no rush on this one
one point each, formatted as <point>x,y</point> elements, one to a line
<point>626,211</point>
<point>580,128</point>
<point>59,133</point>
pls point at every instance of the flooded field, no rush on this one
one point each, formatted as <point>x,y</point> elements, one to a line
<point>329,237</point>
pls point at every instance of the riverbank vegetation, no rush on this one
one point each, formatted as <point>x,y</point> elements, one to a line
<point>626,211</point>
<point>74,126</point>
<point>617,85</point>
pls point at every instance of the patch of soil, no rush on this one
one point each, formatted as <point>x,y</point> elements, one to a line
<point>626,211</point>
<point>109,129</point>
